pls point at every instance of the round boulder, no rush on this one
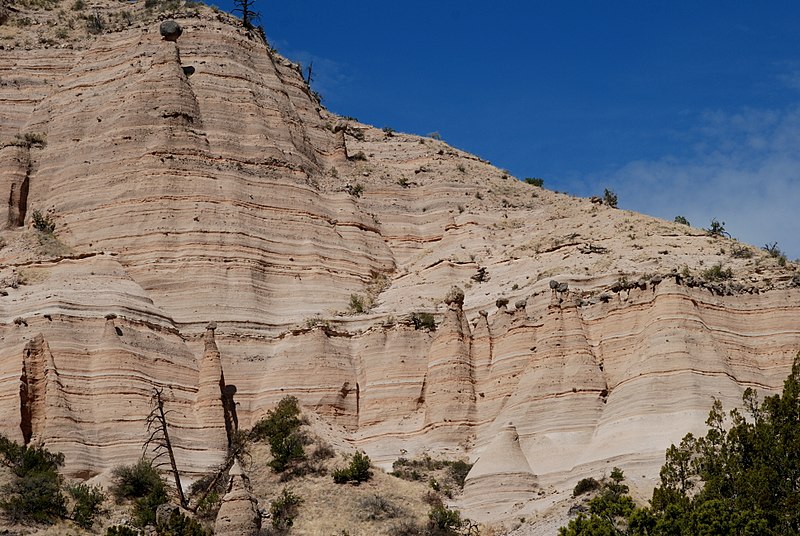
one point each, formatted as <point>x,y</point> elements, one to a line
<point>170,30</point>
<point>455,296</point>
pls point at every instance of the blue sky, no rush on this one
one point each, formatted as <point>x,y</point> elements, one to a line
<point>689,108</point>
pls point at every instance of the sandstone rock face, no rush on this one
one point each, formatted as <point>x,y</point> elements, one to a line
<point>222,197</point>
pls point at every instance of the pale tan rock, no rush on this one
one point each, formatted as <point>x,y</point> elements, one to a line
<point>501,476</point>
<point>450,399</point>
<point>44,412</point>
<point>210,408</point>
<point>221,197</point>
<point>15,162</point>
<point>238,515</point>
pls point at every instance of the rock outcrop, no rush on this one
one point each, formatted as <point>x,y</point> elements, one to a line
<point>44,413</point>
<point>238,515</point>
<point>170,30</point>
<point>449,393</point>
<point>500,476</point>
<point>211,410</point>
<point>223,196</point>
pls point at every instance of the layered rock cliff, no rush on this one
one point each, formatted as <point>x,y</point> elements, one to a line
<point>221,236</point>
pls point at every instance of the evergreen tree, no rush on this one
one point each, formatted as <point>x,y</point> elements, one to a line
<point>33,494</point>
<point>609,511</point>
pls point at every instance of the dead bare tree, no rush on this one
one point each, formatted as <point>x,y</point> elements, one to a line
<point>249,15</point>
<point>309,73</point>
<point>159,439</point>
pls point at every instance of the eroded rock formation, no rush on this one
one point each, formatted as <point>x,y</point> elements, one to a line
<point>212,409</point>
<point>238,515</point>
<point>232,196</point>
<point>501,475</point>
<point>44,412</point>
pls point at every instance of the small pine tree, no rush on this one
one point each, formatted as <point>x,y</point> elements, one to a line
<point>283,510</point>
<point>143,484</point>
<point>281,427</point>
<point>179,524</point>
<point>34,493</point>
<point>610,198</point>
<point>717,228</point>
<point>43,222</point>
<point>134,481</point>
<point>88,500</point>
<point>357,471</point>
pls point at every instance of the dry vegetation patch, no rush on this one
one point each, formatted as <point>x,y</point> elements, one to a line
<point>367,508</point>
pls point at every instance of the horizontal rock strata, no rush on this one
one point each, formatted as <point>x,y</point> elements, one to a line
<point>225,193</point>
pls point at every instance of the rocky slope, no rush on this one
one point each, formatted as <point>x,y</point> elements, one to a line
<point>222,237</point>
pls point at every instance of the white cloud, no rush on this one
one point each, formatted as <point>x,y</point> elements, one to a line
<point>791,78</point>
<point>743,168</point>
